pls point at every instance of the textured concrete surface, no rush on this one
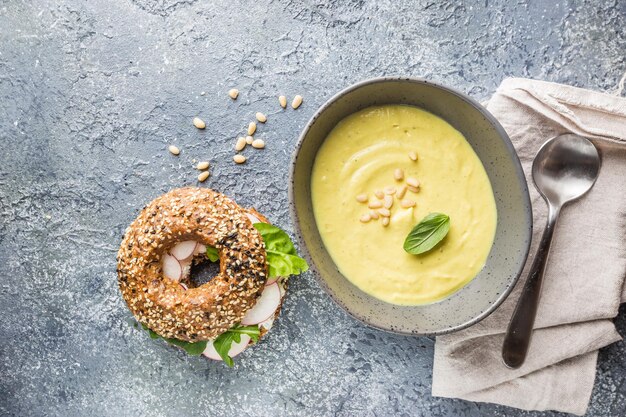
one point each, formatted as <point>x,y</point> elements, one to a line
<point>91,94</point>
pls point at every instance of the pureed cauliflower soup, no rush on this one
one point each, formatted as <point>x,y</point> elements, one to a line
<point>380,172</point>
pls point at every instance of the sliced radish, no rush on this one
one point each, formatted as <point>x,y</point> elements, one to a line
<point>270,281</point>
<point>183,286</point>
<point>183,250</point>
<point>235,348</point>
<point>265,306</point>
<point>282,289</point>
<point>253,218</point>
<point>172,268</point>
<point>200,248</point>
<point>186,266</point>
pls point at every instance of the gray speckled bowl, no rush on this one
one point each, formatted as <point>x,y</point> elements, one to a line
<point>483,294</point>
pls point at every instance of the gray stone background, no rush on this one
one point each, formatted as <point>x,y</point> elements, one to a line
<point>92,93</point>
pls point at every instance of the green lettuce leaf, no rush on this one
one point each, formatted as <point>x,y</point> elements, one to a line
<point>282,258</point>
<point>212,254</point>
<point>193,349</point>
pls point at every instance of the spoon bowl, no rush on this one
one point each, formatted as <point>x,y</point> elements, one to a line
<point>565,168</point>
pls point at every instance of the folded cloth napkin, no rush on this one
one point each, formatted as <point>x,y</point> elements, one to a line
<point>584,281</point>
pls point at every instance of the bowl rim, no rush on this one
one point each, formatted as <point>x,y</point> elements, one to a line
<point>521,178</point>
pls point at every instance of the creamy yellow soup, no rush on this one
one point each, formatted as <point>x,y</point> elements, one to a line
<point>360,156</point>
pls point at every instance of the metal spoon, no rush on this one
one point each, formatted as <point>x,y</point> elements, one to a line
<point>564,169</point>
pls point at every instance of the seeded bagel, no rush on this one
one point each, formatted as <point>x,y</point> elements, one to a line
<point>207,311</point>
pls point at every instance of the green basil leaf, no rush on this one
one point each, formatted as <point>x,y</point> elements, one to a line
<point>282,258</point>
<point>212,254</point>
<point>427,234</point>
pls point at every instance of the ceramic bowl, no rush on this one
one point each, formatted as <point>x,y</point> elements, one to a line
<point>483,294</point>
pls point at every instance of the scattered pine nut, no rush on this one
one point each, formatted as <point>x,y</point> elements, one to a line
<point>413,189</point>
<point>407,203</point>
<point>388,202</point>
<point>249,140</point>
<point>173,150</point>
<point>385,221</point>
<point>202,177</point>
<point>261,117</point>
<point>384,212</point>
<point>251,128</point>
<point>202,165</point>
<point>283,101</point>
<point>401,192</point>
<point>390,190</point>
<point>413,182</point>
<point>202,93</point>
<point>241,143</point>
<point>413,156</point>
<point>398,174</point>
<point>258,143</point>
<point>365,218</point>
<point>374,215</point>
<point>379,194</point>
<point>233,93</point>
<point>361,198</point>
<point>297,101</point>
<point>240,159</point>
<point>199,123</point>
<point>375,205</point>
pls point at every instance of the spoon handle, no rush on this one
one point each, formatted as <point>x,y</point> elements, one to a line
<point>518,334</point>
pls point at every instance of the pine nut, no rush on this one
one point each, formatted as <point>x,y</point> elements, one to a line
<point>202,177</point>
<point>249,140</point>
<point>202,93</point>
<point>413,189</point>
<point>413,156</point>
<point>240,159</point>
<point>283,101</point>
<point>384,212</point>
<point>365,218</point>
<point>390,190</point>
<point>258,144</point>
<point>233,93</point>
<point>379,194</point>
<point>173,150</point>
<point>199,123</point>
<point>407,203</point>
<point>202,165</point>
<point>361,198</point>
<point>374,215</point>
<point>401,192</point>
<point>261,117</point>
<point>413,182</point>
<point>251,128</point>
<point>398,174</point>
<point>241,143</point>
<point>388,202</point>
<point>375,205</point>
<point>385,221</point>
<point>297,101</point>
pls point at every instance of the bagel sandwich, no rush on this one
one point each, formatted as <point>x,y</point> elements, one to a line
<point>235,309</point>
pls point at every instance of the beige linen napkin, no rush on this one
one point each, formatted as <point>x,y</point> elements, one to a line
<point>584,281</point>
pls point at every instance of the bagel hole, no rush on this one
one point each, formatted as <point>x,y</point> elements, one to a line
<point>203,272</point>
